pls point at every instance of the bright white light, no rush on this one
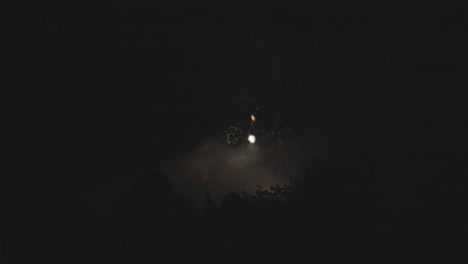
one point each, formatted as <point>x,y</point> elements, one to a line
<point>251,139</point>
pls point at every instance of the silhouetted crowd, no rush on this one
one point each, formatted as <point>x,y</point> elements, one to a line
<point>280,223</point>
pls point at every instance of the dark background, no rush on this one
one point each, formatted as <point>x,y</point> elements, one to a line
<point>99,90</point>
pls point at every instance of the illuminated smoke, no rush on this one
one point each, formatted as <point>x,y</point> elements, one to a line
<point>220,169</point>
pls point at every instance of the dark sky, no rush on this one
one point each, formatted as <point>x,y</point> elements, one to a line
<point>101,89</point>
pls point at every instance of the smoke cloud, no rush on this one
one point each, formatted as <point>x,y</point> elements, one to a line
<point>219,169</point>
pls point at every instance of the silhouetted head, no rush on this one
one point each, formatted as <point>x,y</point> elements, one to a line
<point>231,204</point>
<point>184,206</point>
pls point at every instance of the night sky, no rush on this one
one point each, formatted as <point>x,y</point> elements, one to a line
<point>99,91</point>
